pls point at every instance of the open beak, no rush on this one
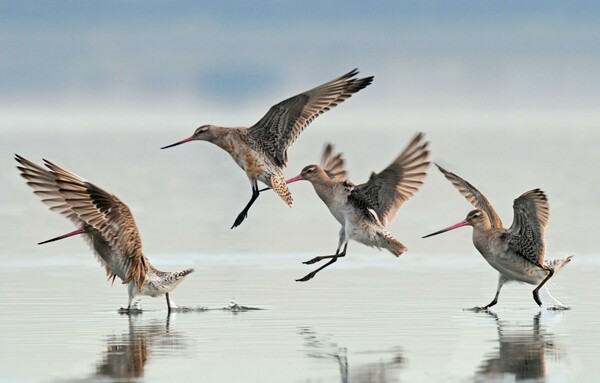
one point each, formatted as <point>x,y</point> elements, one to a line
<point>179,143</point>
<point>294,179</point>
<point>460,224</point>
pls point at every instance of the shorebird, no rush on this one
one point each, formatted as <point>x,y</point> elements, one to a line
<point>365,210</point>
<point>107,225</point>
<point>517,253</point>
<point>261,150</point>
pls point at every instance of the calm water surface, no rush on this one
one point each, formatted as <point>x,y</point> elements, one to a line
<point>368,319</point>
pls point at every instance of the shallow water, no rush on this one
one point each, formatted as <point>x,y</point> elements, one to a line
<point>366,319</point>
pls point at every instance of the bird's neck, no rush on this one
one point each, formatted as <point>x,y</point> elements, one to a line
<point>225,138</point>
<point>483,238</point>
<point>325,189</point>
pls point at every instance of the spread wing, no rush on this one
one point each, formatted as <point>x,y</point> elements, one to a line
<point>284,122</point>
<point>526,234</point>
<point>387,191</point>
<point>474,196</point>
<point>107,221</point>
<point>332,164</point>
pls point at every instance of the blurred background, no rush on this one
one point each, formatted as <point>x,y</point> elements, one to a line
<point>506,91</point>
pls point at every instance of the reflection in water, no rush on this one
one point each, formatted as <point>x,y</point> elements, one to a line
<point>127,354</point>
<point>521,354</point>
<point>382,371</point>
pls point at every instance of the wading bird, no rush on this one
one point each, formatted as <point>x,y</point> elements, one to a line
<point>517,252</point>
<point>365,210</point>
<point>261,150</point>
<point>107,225</point>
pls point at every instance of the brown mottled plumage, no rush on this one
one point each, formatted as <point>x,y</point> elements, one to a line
<point>364,210</point>
<point>261,150</point>
<point>105,222</point>
<point>333,164</point>
<point>518,253</point>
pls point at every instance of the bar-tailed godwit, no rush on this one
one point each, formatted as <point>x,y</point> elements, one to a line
<point>261,150</point>
<point>518,253</point>
<point>365,210</point>
<point>107,225</point>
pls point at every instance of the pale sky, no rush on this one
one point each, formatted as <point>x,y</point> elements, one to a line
<point>431,54</point>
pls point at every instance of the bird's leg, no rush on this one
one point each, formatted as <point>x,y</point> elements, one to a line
<point>255,193</point>
<point>131,295</point>
<point>337,251</point>
<point>322,257</point>
<point>168,304</point>
<point>501,281</point>
<point>334,258</point>
<point>536,292</point>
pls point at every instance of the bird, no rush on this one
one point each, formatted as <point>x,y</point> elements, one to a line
<point>364,210</point>
<point>107,225</point>
<point>261,150</point>
<point>517,253</point>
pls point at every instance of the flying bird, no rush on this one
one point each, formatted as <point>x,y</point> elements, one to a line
<point>364,210</point>
<point>261,150</point>
<point>517,253</point>
<point>107,225</point>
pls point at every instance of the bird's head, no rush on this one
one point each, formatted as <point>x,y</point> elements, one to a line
<point>475,218</point>
<point>309,173</point>
<point>202,133</point>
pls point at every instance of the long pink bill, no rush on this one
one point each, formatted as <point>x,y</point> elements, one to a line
<point>78,231</point>
<point>294,179</point>
<point>179,142</point>
<point>460,224</point>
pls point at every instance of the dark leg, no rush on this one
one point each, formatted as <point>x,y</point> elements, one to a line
<point>168,304</point>
<point>334,258</point>
<point>342,241</point>
<point>240,218</point>
<point>536,295</point>
<point>492,303</point>
<point>501,281</point>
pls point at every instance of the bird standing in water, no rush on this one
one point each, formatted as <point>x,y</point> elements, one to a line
<point>365,210</point>
<point>518,253</point>
<point>261,150</point>
<point>107,225</point>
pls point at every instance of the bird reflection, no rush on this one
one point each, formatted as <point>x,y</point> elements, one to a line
<point>382,371</point>
<point>521,353</point>
<point>127,354</point>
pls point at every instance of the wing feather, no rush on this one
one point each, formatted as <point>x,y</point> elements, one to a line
<point>474,196</point>
<point>333,164</point>
<point>526,234</point>
<point>108,222</point>
<point>283,123</point>
<point>387,191</point>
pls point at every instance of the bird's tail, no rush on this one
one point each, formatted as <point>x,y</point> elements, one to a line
<point>557,264</point>
<point>280,187</point>
<point>180,274</point>
<point>393,245</point>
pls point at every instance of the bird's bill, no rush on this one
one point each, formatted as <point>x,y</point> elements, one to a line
<point>78,231</point>
<point>179,142</point>
<point>456,226</point>
<point>294,179</point>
